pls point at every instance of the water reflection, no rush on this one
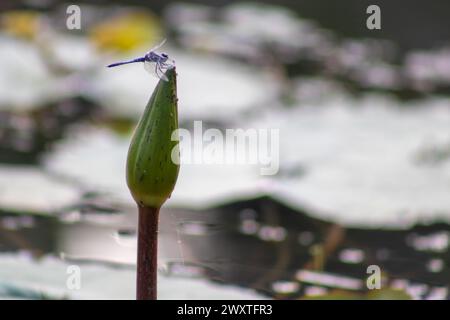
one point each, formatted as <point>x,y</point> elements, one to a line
<point>213,244</point>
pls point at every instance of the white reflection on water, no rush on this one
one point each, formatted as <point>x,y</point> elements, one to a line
<point>351,255</point>
<point>285,287</point>
<point>435,265</point>
<point>331,280</point>
<point>434,242</point>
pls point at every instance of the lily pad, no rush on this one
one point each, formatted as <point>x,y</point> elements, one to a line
<point>24,278</point>
<point>363,160</point>
<point>30,189</point>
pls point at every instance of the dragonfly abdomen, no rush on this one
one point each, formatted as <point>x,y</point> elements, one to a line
<point>142,59</point>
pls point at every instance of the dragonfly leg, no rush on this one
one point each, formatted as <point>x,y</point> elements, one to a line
<point>166,65</point>
<point>156,70</point>
<point>163,76</point>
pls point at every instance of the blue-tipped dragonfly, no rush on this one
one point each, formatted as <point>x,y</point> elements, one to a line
<point>161,62</point>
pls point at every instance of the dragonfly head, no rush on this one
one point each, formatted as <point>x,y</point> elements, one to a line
<point>165,56</point>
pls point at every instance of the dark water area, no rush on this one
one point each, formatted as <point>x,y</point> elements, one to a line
<point>410,24</point>
<point>259,244</point>
<point>25,137</point>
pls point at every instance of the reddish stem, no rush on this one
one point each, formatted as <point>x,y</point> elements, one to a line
<point>147,253</point>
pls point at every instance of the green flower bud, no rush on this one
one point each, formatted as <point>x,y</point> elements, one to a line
<point>151,171</point>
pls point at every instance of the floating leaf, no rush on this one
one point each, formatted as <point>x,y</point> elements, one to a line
<point>21,23</point>
<point>126,32</point>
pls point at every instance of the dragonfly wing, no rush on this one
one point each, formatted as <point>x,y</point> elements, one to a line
<point>155,70</point>
<point>150,68</point>
<point>158,45</point>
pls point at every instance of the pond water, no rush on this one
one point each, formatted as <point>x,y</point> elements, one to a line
<point>258,244</point>
<point>364,153</point>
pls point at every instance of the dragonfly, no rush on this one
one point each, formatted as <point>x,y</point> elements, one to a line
<point>154,62</point>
